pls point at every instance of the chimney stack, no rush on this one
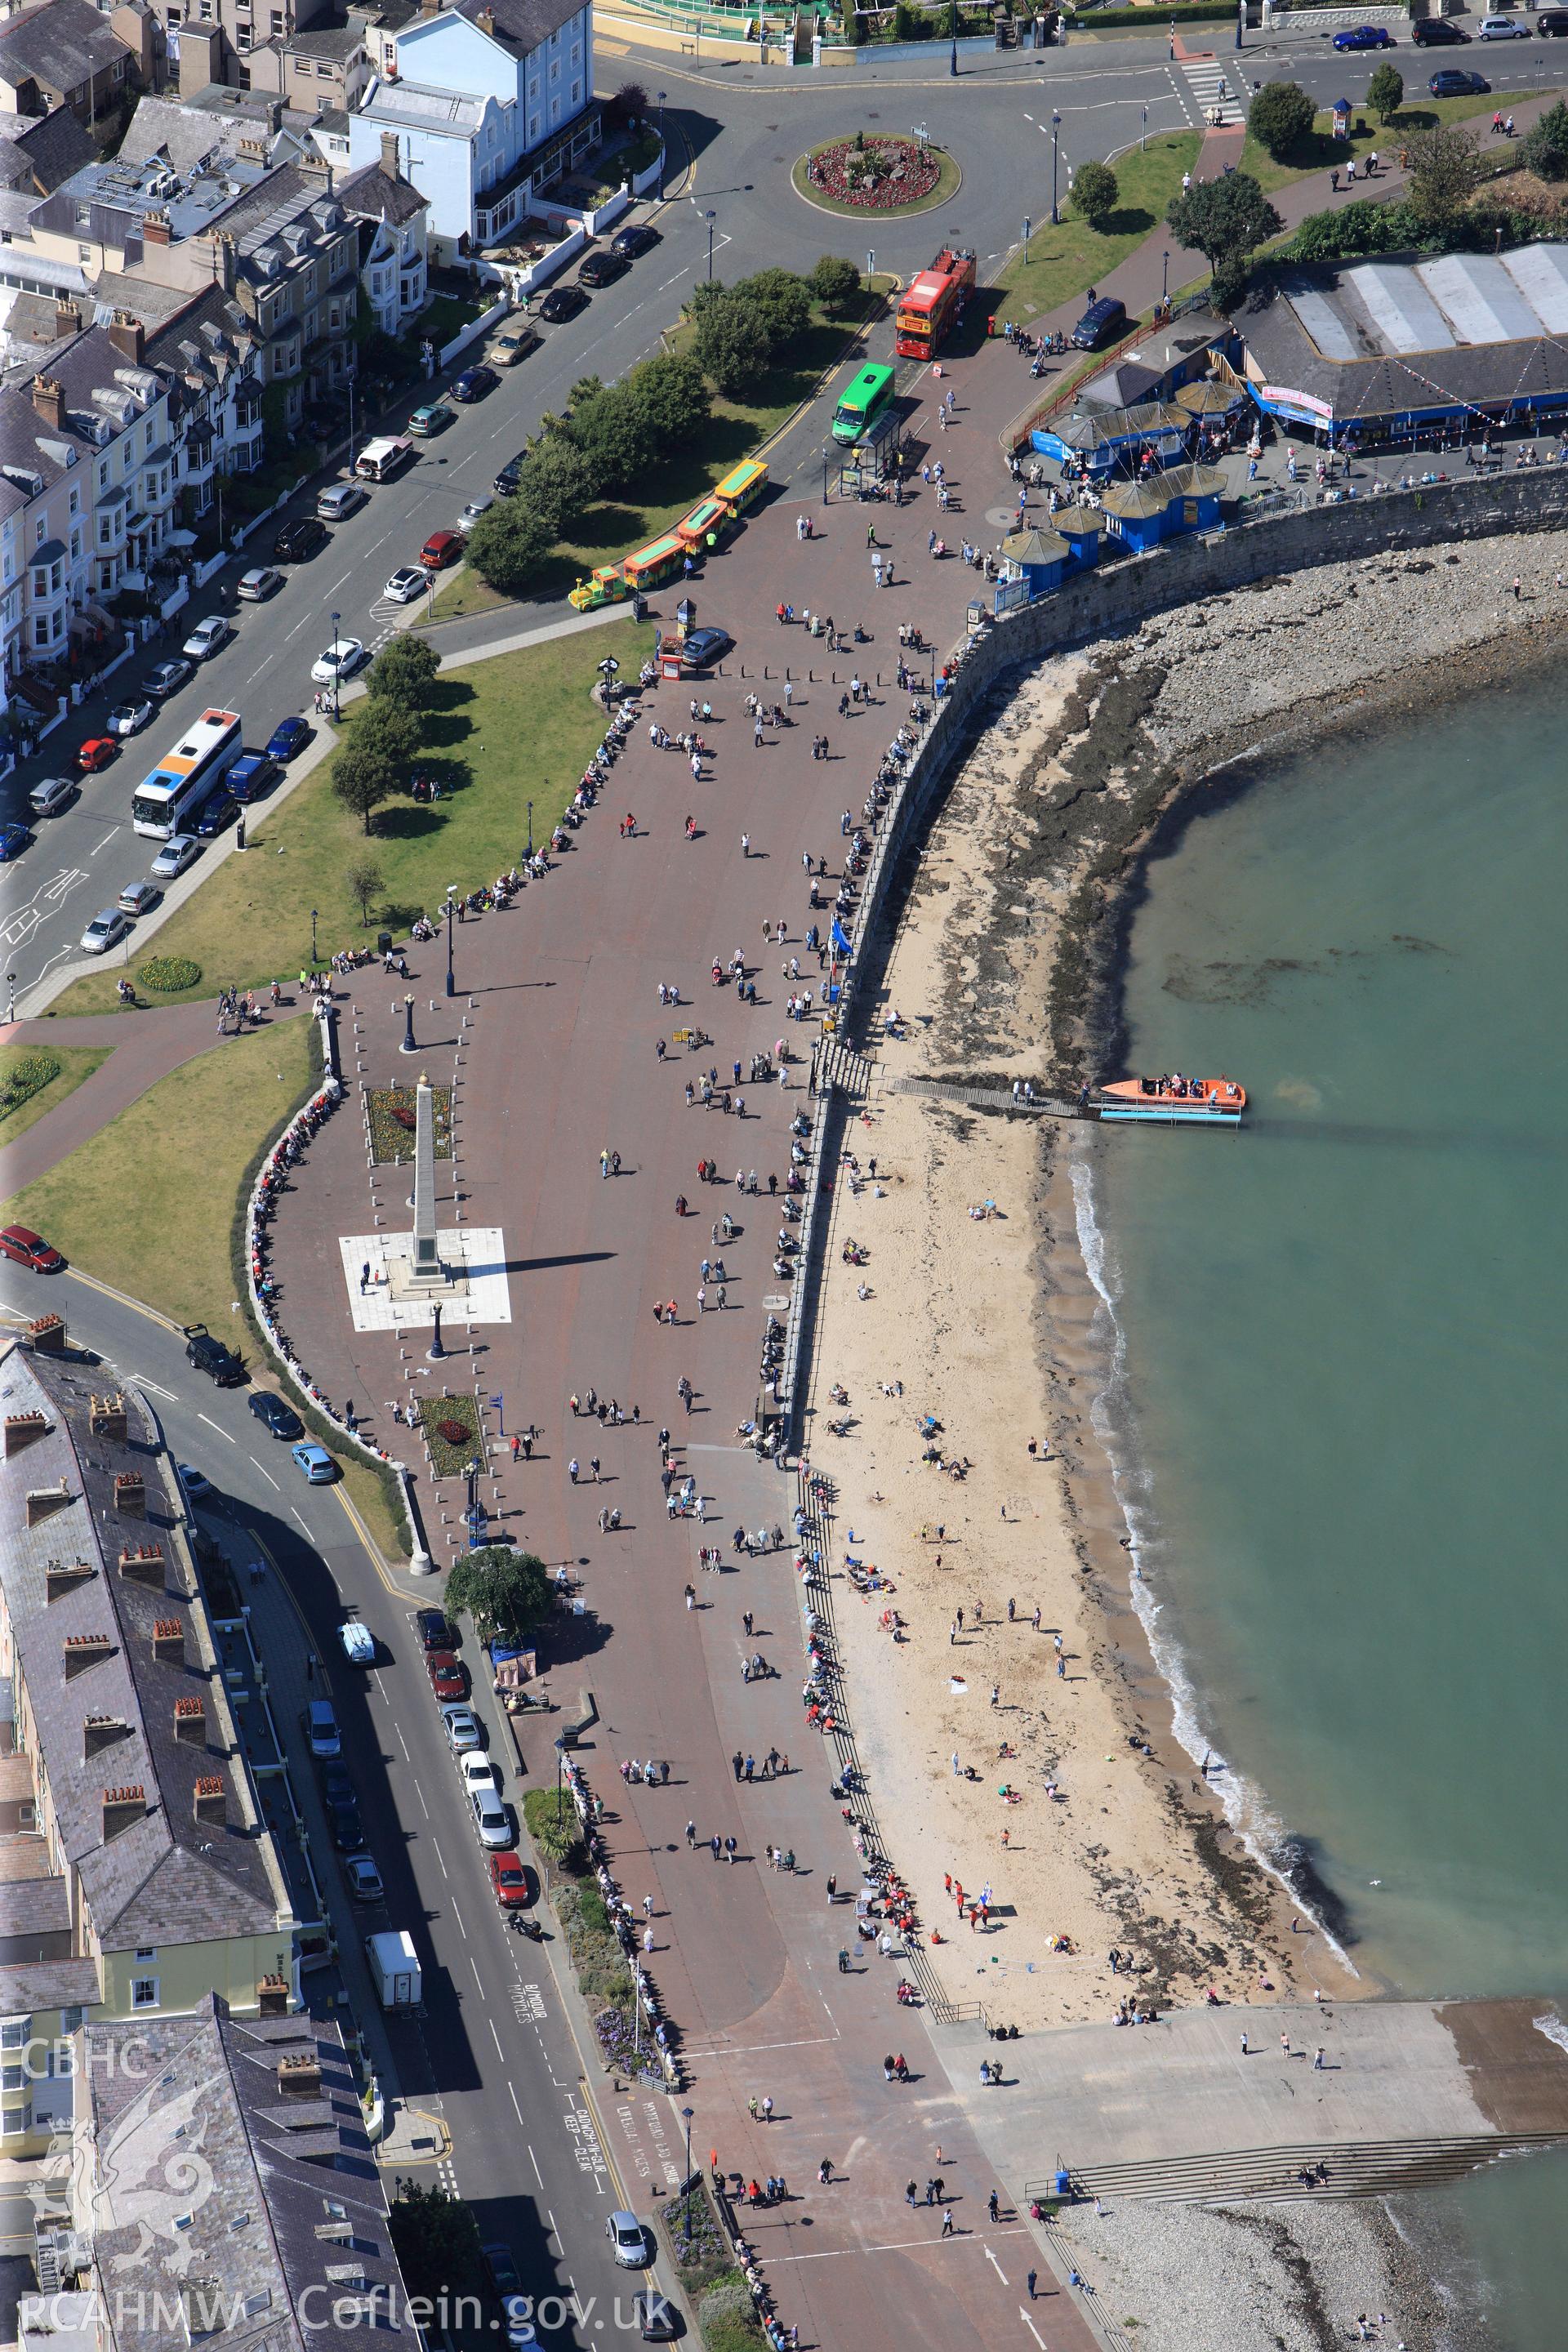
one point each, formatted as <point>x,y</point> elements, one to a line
<point>211,1804</point>
<point>389,155</point>
<point>106,1417</point>
<point>47,1335</point>
<point>63,1576</point>
<point>169,1642</point>
<point>122,1809</point>
<point>156,229</point>
<point>84,1650</point>
<point>300,2076</point>
<point>43,1502</point>
<point>49,400</point>
<point>130,1498</point>
<point>67,319</point>
<point>190,1721</point>
<point>146,1564</point>
<point>101,1731</point>
<point>126,333</point>
<point>272,1997</point>
<point>21,1429</point>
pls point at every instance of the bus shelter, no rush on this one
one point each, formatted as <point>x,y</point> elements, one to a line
<point>875,457</point>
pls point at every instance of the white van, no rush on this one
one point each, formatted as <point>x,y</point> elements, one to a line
<point>378,461</point>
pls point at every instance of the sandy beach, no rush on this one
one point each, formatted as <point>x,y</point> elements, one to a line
<point>1039,1762</point>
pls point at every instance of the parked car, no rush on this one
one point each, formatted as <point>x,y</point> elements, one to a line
<point>25,1247</point>
<point>338,661</point>
<point>348,1830</point>
<point>129,717</point>
<point>510,474</point>
<point>289,736</point>
<point>434,1631</point>
<point>705,646</point>
<point>426,422</point>
<point>603,268</point>
<point>339,499</point>
<point>1550,23</point>
<point>337,1785</point>
<point>636,239</point>
<point>407,582</point>
<point>97,752</point>
<point>300,540</point>
<point>1106,316</point>
<point>166,678</point>
<point>475,508</point>
<point>212,1356</point>
<point>250,775</point>
<point>491,1818</point>
<point>138,899</point>
<point>206,638</point>
<point>197,1486</point>
<point>358,1640</point>
<point>106,931</point>
<point>255,587</point>
<point>1364,36</point>
<point>478,1772</point>
<point>509,349</point>
<point>181,849</point>
<point>321,1728</point>
<point>14,839</point>
<point>218,811</point>
<point>509,1880</point>
<point>448,1679</point>
<point>629,2241</point>
<point>442,548</point>
<point>362,1879</point>
<point>280,1419</point>
<point>1437,32</point>
<point>1503,28</point>
<point>474,382</point>
<point>1455,81</point>
<point>563,303</point>
<point>657,2320</point>
<point>463,1730</point>
<point>55,793</point>
<point>517,2310</point>
<point>314,1463</point>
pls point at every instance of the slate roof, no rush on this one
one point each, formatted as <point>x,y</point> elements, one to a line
<point>167,1878</point>
<point>281,2193</point>
<point>323,41</point>
<point>36,1907</point>
<point>370,196</point>
<point>60,46</point>
<point>27,1990</point>
<point>523,25</point>
<point>40,153</point>
<point>1121,386</point>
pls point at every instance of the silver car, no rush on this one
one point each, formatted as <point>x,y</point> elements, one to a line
<point>179,851</point>
<point>255,587</point>
<point>473,511</point>
<point>206,638</point>
<point>107,928</point>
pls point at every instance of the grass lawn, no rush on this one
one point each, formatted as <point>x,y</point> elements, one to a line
<point>518,727</point>
<point>1321,152</point>
<point>76,1062</point>
<point>1060,262</point>
<point>737,427</point>
<point>107,1204</point>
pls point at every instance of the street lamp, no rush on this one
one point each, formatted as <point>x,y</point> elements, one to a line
<point>952,37</point>
<point>476,1515</point>
<point>1240,21</point>
<point>10,996</point>
<point>1056,135</point>
<point>1164,278</point>
<point>408,1046</point>
<point>709,216</point>
<point>451,902</point>
<point>827,461</point>
<point>1143,134</point>
<point>686,2115</point>
<point>313,957</point>
<point>661,146</point>
<point>351,425</point>
<point>528,853</point>
<point>337,681</point>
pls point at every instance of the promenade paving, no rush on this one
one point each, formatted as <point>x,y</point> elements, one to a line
<point>551,1045</point>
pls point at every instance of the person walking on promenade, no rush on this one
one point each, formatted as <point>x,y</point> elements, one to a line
<point>947,2230</point>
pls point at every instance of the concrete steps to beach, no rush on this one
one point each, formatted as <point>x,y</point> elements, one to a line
<point>1261,2175</point>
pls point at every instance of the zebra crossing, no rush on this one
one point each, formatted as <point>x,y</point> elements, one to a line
<point>1216,92</point>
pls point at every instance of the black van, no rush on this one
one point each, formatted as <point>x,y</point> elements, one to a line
<point>1436,32</point>
<point>298,539</point>
<point>1106,316</point>
<point>1553,21</point>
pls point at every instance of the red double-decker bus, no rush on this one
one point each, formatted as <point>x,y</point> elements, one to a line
<point>932,304</point>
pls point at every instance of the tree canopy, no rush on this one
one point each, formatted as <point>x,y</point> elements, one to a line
<point>1445,169</point>
<point>835,282</point>
<point>1280,118</point>
<point>1385,92</point>
<point>503,1590</point>
<point>403,672</point>
<point>509,544</point>
<point>1544,148</point>
<point>1095,193</point>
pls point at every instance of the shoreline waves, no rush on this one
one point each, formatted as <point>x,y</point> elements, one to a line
<point>1006,958</point>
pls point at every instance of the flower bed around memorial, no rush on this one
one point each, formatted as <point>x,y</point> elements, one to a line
<point>393,1119</point>
<point>880,174</point>
<point>451,1427</point>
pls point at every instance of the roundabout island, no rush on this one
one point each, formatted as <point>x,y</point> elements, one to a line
<point>877,175</point>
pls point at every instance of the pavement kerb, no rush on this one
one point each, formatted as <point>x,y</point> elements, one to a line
<point>123,1299</point>
<point>44,991</point>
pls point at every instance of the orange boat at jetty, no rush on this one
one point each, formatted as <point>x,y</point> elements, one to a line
<point>1175,1100</point>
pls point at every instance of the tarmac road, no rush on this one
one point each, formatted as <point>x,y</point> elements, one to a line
<point>494,2055</point>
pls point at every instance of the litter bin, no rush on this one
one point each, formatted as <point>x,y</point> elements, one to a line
<point>383,943</point>
<point>1064,2185</point>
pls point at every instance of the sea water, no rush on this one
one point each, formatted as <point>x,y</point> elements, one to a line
<point>1338,1407</point>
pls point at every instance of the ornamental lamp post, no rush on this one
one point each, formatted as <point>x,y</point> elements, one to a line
<point>709,216</point>
<point>686,2115</point>
<point>1164,278</point>
<point>1055,136</point>
<point>953,37</point>
<point>528,851</point>
<point>452,903</point>
<point>408,1046</point>
<point>661,146</point>
<point>313,958</point>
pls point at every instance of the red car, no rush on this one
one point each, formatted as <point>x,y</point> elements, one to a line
<point>29,1248</point>
<point>510,1880</point>
<point>447,1679</point>
<point>96,753</point>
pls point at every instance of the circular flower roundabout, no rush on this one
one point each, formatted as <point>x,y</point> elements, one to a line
<point>876,174</point>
